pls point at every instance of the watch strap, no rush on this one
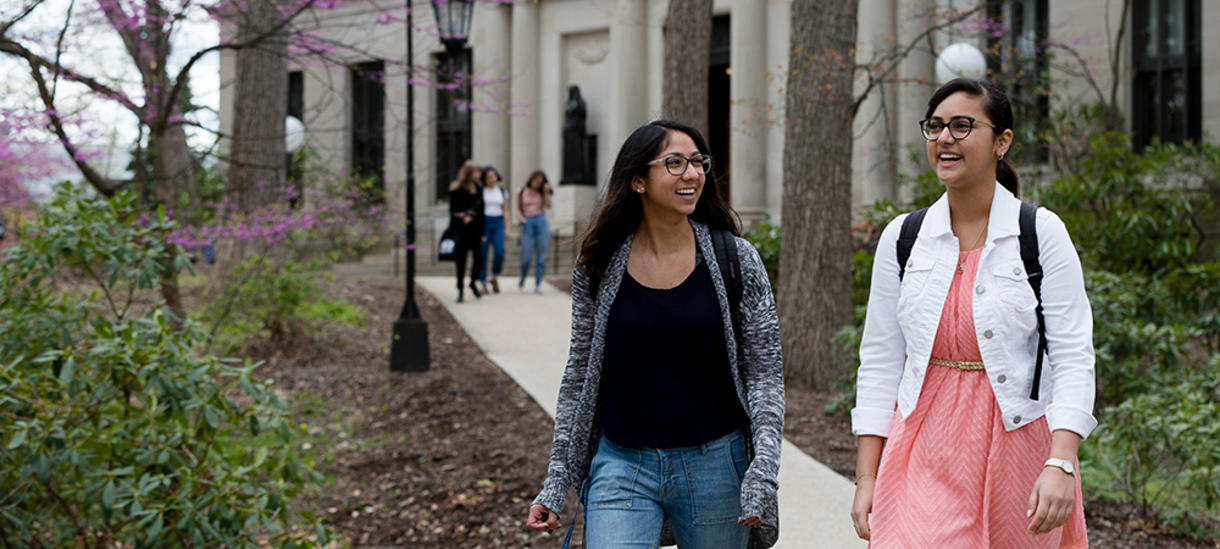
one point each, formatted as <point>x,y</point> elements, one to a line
<point>1063,464</point>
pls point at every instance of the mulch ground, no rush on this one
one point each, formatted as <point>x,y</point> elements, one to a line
<point>454,455</point>
<point>444,458</point>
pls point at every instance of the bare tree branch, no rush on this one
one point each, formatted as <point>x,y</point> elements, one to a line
<point>1115,55</point>
<point>896,57</point>
<point>25,12</point>
<point>103,184</point>
<point>15,49</point>
<point>254,41</point>
<point>59,48</point>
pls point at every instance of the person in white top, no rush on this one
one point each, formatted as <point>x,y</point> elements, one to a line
<point>495,208</point>
<point>957,447</point>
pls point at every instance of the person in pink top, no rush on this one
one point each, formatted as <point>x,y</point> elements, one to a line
<point>963,440</point>
<point>532,204</point>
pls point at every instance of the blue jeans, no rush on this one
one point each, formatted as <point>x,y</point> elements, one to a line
<point>633,490</point>
<point>535,242</point>
<point>494,231</point>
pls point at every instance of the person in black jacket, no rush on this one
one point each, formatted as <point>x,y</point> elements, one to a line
<point>466,216</point>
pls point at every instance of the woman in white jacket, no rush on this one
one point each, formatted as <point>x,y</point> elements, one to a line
<point>957,448</point>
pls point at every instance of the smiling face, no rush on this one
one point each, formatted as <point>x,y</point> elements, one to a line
<point>961,163</point>
<point>664,192</point>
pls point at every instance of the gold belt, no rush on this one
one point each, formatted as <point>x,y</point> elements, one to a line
<point>958,364</point>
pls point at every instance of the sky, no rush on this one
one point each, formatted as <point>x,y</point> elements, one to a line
<point>113,130</point>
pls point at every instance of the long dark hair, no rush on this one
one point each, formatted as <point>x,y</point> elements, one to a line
<point>543,190</point>
<point>996,107</point>
<point>491,169</point>
<point>622,209</point>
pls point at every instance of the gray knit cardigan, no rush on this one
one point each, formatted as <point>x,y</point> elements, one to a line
<point>757,373</point>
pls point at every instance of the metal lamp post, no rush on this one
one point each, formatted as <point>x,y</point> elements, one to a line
<point>409,348</point>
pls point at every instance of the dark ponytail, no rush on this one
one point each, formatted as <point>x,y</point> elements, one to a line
<point>996,107</point>
<point>1007,176</point>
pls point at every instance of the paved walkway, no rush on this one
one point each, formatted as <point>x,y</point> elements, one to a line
<point>527,336</point>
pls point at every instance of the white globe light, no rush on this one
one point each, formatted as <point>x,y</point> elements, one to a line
<point>960,60</point>
<point>294,134</point>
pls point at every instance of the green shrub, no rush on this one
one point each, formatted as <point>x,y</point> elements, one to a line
<point>117,431</point>
<point>271,305</point>
<point>765,238</point>
<point>1135,212</point>
<point>1161,450</point>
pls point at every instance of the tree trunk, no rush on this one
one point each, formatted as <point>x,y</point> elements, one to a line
<point>688,45</point>
<point>815,273</point>
<point>260,106</point>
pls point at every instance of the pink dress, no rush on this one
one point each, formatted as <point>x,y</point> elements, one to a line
<point>950,475</point>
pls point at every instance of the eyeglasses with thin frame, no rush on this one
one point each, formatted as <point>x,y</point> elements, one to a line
<point>676,164</point>
<point>959,127</point>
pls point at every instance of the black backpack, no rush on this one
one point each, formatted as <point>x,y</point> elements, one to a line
<point>725,247</point>
<point>1029,256</point>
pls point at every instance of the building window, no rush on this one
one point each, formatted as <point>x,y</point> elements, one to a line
<point>296,109</point>
<point>296,94</point>
<point>1018,62</point>
<point>1167,90</point>
<point>368,128</point>
<point>453,135</point>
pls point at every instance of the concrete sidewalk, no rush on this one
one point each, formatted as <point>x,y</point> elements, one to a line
<point>527,336</point>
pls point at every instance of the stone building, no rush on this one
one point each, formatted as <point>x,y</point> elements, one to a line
<point>522,57</point>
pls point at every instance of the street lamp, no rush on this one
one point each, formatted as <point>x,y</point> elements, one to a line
<point>453,23</point>
<point>409,348</point>
<point>960,60</point>
<point>294,134</point>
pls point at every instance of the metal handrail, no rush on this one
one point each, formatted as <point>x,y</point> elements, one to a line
<point>399,238</point>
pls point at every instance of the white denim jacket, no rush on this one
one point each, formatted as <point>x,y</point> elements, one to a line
<point>903,318</point>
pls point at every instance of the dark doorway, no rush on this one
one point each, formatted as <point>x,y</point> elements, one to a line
<point>453,134</point>
<point>718,99</point>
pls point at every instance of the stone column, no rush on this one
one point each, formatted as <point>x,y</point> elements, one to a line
<point>912,98</point>
<point>875,151</point>
<point>1210,11</point>
<point>748,114</point>
<point>523,125</point>
<point>778,16</point>
<point>654,30</point>
<point>490,122</point>
<point>628,70</point>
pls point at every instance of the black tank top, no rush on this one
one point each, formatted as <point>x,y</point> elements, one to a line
<point>666,381</point>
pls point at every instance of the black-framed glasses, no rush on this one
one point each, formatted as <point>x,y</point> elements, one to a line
<point>959,127</point>
<point>676,164</point>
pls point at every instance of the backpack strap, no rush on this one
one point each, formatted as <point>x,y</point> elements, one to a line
<point>725,247</point>
<point>906,238</point>
<point>1033,269</point>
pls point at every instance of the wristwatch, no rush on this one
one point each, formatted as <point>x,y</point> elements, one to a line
<point>1067,466</point>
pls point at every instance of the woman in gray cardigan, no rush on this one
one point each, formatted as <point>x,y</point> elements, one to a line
<point>667,423</point>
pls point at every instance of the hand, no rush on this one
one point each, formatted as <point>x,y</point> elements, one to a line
<point>542,519</point>
<point>1051,501</point>
<point>483,239</point>
<point>752,521</point>
<point>862,505</point>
